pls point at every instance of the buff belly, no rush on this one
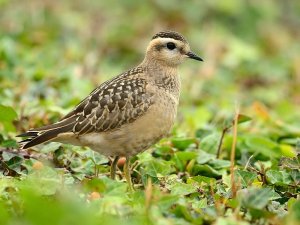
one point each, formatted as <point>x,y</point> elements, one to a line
<point>135,137</point>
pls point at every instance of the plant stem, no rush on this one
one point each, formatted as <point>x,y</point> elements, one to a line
<point>232,156</point>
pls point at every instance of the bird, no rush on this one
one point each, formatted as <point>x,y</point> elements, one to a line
<point>128,113</point>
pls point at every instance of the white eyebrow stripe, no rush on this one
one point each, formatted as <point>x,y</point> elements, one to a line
<point>165,40</point>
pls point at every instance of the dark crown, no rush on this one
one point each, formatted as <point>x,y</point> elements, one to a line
<point>170,34</point>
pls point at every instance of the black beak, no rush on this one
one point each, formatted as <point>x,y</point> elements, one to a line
<point>193,56</point>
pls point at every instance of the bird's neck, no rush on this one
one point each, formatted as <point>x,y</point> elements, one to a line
<point>158,68</point>
<point>163,76</point>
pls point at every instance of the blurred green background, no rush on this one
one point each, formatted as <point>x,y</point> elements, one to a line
<point>53,53</point>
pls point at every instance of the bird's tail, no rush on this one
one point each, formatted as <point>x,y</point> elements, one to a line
<point>46,133</point>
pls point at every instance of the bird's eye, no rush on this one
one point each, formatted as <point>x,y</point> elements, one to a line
<point>171,45</point>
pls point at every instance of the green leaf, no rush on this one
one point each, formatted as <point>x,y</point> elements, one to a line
<point>185,156</point>
<point>200,204</point>
<point>295,175</point>
<point>207,180</point>
<point>210,143</point>
<point>219,164</point>
<point>15,162</point>
<point>166,201</point>
<point>157,168</point>
<point>180,159</point>
<point>94,184</point>
<point>257,198</point>
<point>114,188</point>
<point>50,147</point>
<point>291,163</point>
<point>10,143</point>
<point>287,150</point>
<point>241,119</point>
<point>5,217</point>
<point>291,203</point>
<point>182,143</point>
<point>296,210</point>
<point>45,181</point>
<point>204,157</point>
<point>282,178</point>
<point>182,189</point>
<point>201,133</point>
<point>246,178</point>
<point>206,170</point>
<point>7,115</point>
<point>263,145</point>
<point>182,211</point>
<point>7,155</point>
<point>163,150</point>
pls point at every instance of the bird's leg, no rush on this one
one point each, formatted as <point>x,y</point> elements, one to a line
<point>113,167</point>
<point>127,174</point>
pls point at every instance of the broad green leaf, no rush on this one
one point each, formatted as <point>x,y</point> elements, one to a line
<point>295,209</point>
<point>113,187</point>
<point>181,211</point>
<point>263,145</point>
<point>182,189</point>
<point>290,163</point>
<point>201,133</point>
<point>157,168</point>
<point>204,157</point>
<point>289,140</point>
<point>207,180</point>
<point>5,216</point>
<point>206,170</point>
<point>182,143</point>
<point>45,181</point>
<point>166,201</point>
<point>7,155</point>
<point>199,204</point>
<point>295,175</point>
<point>14,163</point>
<point>7,115</point>
<point>257,198</point>
<point>246,178</point>
<point>10,143</point>
<point>210,143</point>
<point>287,150</point>
<point>291,203</point>
<point>279,177</point>
<point>94,184</point>
<point>219,164</point>
<point>185,156</point>
<point>180,159</point>
<point>50,147</point>
<point>162,150</point>
<point>241,119</point>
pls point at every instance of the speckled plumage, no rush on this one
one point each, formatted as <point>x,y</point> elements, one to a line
<point>129,113</point>
<point>105,119</point>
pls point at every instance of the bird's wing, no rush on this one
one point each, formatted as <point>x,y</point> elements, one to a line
<point>114,103</point>
<point>108,108</point>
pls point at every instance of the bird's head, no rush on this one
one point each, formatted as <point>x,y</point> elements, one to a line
<point>169,48</point>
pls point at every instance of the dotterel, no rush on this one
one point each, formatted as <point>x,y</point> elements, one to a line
<point>130,112</point>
